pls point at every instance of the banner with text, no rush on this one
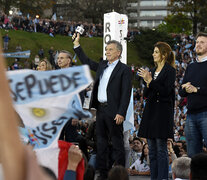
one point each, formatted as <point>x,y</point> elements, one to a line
<point>20,54</point>
<point>46,100</point>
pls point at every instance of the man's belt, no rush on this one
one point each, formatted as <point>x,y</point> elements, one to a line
<point>103,104</point>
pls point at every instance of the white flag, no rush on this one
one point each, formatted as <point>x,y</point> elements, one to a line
<point>54,17</point>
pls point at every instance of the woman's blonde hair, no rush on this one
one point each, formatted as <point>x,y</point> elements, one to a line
<point>48,65</point>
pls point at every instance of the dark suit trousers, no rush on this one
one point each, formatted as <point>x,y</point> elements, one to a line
<point>108,131</point>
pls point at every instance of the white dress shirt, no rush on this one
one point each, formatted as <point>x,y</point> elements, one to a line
<point>103,83</point>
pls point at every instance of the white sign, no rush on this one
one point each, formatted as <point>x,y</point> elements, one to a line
<point>116,28</point>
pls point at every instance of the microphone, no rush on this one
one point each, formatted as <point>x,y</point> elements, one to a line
<point>79,30</point>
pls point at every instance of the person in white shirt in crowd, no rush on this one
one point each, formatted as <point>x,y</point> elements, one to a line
<point>136,151</point>
<point>141,165</point>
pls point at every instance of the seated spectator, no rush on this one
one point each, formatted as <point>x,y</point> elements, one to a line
<point>181,168</point>
<point>51,57</point>
<point>177,150</point>
<point>27,64</point>
<point>41,53</point>
<point>183,151</point>
<point>18,48</point>
<point>91,142</point>
<point>119,173</point>
<point>198,167</point>
<point>15,65</point>
<point>141,165</point>
<point>136,151</point>
<point>171,154</point>
<point>36,61</point>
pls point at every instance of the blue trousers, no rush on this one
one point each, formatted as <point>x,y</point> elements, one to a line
<point>196,132</point>
<point>158,155</point>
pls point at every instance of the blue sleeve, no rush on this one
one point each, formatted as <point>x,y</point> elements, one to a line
<point>70,175</point>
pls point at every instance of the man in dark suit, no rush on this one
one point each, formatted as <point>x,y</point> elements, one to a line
<point>110,96</point>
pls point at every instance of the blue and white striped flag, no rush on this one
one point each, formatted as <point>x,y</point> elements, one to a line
<point>46,100</point>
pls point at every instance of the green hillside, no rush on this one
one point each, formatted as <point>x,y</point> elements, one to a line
<point>34,41</point>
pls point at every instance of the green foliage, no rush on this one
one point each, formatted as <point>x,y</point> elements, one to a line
<point>94,10</point>
<point>145,43</point>
<point>27,6</point>
<point>178,23</point>
<point>195,9</point>
<point>6,4</point>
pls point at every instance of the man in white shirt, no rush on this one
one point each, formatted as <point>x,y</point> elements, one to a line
<point>110,96</point>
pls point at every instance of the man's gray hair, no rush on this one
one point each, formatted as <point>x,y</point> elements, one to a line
<point>69,55</point>
<point>181,167</point>
<point>118,45</point>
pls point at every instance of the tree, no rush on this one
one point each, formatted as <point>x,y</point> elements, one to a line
<point>27,6</point>
<point>6,5</point>
<point>178,23</point>
<point>95,9</point>
<point>34,7</point>
<point>192,8</point>
<point>146,39</point>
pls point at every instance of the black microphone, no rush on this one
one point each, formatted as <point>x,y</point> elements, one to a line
<point>127,38</point>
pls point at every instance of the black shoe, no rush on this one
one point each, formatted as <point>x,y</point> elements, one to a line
<point>101,178</point>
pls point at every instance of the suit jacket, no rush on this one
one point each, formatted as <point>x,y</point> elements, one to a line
<point>119,85</point>
<point>158,115</point>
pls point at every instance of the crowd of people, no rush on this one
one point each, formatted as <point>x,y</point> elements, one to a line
<point>143,139</point>
<point>48,26</point>
<point>53,27</point>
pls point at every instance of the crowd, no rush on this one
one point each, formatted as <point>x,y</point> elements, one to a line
<point>48,26</point>
<point>137,161</point>
<point>53,27</point>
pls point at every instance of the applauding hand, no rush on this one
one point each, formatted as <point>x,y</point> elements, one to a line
<point>145,74</point>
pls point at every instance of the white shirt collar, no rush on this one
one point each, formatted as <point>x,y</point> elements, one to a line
<point>202,60</point>
<point>113,63</point>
